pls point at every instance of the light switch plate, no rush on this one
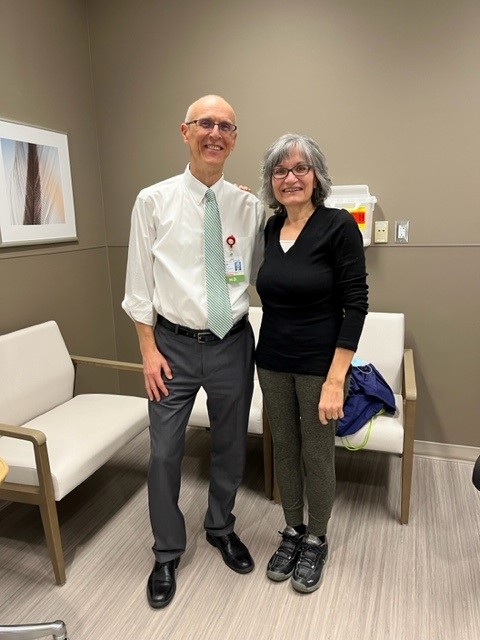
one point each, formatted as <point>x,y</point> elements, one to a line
<point>381,231</point>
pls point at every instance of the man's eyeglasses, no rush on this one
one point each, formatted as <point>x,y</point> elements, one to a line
<point>209,125</point>
<point>298,170</point>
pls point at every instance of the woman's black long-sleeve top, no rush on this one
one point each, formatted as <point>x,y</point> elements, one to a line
<point>314,296</point>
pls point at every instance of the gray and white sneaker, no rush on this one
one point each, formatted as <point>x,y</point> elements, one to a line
<point>308,572</point>
<point>283,561</point>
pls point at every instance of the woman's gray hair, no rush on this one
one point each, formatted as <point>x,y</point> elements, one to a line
<point>312,154</point>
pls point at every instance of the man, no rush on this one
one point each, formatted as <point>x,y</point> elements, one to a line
<point>193,331</point>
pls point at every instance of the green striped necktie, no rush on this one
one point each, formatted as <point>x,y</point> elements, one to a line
<point>218,299</point>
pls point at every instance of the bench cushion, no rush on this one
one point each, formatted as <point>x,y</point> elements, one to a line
<point>82,434</point>
<point>36,372</point>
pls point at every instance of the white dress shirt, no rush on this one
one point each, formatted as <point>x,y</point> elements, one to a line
<point>165,269</point>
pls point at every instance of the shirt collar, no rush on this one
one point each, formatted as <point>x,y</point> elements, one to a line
<point>198,189</point>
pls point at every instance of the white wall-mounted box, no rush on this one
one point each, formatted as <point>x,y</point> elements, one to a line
<point>356,199</point>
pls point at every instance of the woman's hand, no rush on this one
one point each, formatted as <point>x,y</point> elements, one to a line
<point>330,406</point>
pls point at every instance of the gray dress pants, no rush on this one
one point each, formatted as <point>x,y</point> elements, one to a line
<point>224,368</point>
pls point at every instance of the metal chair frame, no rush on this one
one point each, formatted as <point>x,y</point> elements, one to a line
<point>56,629</point>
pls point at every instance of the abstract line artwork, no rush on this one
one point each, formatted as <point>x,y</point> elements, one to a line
<point>36,200</point>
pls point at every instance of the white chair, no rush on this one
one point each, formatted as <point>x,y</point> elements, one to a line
<point>50,439</point>
<point>383,344</point>
<point>258,423</point>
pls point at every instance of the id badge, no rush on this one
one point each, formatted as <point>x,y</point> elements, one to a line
<point>234,269</point>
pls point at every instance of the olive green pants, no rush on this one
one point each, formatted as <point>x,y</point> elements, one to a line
<point>304,448</point>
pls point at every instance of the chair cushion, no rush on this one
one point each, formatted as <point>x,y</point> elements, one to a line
<point>82,434</point>
<point>199,416</point>
<point>386,434</point>
<point>382,343</point>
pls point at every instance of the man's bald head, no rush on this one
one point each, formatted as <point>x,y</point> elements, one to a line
<point>205,103</point>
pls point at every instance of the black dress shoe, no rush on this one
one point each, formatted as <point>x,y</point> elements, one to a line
<point>161,584</point>
<point>235,553</point>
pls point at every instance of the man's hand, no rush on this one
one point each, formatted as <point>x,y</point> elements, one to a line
<point>155,369</point>
<point>155,366</point>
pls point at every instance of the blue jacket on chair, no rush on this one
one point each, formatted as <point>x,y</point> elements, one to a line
<point>368,394</point>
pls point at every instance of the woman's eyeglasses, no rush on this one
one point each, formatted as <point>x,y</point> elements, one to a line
<point>298,170</point>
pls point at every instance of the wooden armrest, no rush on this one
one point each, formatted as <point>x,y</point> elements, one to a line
<point>23,433</point>
<point>410,385</point>
<point>112,364</point>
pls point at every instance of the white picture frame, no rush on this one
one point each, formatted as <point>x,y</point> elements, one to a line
<point>36,196</point>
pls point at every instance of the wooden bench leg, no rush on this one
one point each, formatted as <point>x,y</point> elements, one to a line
<point>48,511</point>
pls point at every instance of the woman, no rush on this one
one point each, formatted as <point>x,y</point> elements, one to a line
<point>313,289</point>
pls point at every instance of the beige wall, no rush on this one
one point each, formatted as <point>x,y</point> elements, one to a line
<point>389,89</point>
<point>46,81</point>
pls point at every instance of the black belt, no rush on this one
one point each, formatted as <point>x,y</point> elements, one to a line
<point>202,335</point>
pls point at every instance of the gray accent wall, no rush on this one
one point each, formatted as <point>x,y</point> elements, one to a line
<point>389,90</point>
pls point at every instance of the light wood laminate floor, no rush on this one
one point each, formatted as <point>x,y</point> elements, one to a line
<point>382,580</point>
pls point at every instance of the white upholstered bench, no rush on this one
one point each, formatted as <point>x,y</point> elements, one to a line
<point>51,440</point>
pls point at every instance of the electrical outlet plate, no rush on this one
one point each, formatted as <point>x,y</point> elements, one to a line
<point>402,228</point>
<point>381,231</point>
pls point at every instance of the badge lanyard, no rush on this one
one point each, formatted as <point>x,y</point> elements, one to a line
<point>234,267</point>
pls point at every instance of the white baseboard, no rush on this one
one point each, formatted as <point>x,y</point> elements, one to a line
<point>442,451</point>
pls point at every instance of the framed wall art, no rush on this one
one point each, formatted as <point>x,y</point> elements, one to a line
<point>36,197</point>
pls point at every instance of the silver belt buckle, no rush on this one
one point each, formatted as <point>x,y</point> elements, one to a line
<point>202,334</point>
